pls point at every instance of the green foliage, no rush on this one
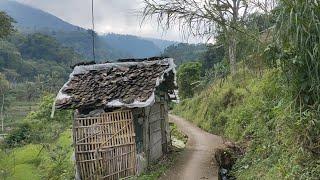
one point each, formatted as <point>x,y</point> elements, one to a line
<point>19,136</point>
<point>188,74</point>
<point>44,128</point>
<point>39,46</point>
<point>58,163</point>
<point>297,41</point>
<point>39,161</point>
<point>183,52</point>
<point>6,25</point>
<point>39,127</point>
<point>48,156</point>
<point>26,58</point>
<point>212,56</point>
<point>260,113</point>
<point>6,165</point>
<point>20,163</point>
<point>25,172</point>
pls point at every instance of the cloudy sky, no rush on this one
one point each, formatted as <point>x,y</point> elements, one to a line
<point>118,16</point>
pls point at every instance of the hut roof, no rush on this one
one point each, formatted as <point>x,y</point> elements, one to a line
<point>120,84</point>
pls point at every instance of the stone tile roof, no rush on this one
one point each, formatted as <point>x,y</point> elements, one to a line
<point>130,84</point>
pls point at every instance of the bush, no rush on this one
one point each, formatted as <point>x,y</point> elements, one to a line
<point>19,136</point>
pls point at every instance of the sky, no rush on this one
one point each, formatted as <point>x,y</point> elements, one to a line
<point>118,16</point>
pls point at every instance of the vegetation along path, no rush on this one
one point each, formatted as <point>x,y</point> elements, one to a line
<point>197,161</point>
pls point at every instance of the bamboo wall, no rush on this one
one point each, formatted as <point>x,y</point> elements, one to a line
<point>105,146</point>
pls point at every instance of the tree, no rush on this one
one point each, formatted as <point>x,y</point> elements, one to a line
<point>202,18</point>
<point>188,74</point>
<point>6,25</point>
<point>4,86</point>
<point>213,55</point>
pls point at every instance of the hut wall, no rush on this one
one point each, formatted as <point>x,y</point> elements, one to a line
<point>166,128</point>
<point>155,134</point>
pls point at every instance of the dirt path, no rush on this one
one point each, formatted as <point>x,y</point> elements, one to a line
<point>197,160</point>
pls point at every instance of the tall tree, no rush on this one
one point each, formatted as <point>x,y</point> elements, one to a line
<point>202,18</point>
<point>4,86</point>
<point>6,28</point>
<point>6,24</point>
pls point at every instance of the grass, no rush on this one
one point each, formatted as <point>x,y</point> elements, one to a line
<point>28,154</point>
<point>25,172</point>
<point>258,113</point>
<point>32,161</point>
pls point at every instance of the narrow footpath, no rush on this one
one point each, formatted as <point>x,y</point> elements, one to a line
<point>197,160</point>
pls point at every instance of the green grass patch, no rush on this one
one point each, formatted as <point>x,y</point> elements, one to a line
<point>39,162</point>
<point>25,172</point>
<point>27,154</point>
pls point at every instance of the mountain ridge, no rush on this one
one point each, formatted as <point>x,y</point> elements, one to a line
<point>109,46</point>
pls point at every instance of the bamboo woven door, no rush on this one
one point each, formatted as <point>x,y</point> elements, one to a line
<point>105,146</point>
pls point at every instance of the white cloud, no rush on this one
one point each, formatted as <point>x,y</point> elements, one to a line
<point>118,16</point>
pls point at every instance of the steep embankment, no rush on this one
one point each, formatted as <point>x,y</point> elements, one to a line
<point>258,112</point>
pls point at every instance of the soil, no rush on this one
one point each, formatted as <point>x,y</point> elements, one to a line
<point>197,160</point>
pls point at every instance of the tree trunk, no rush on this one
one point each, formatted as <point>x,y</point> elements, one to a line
<point>232,53</point>
<point>1,113</point>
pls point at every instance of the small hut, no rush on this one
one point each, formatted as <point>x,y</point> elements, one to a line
<point>121,115</point>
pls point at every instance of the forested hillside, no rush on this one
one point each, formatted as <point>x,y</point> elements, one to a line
<point>183,52</point>
<point>27,57</point>
<point>133,46</point>
<point>207,54</point>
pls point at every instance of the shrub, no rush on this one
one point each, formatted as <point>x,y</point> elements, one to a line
<point>19,136</point>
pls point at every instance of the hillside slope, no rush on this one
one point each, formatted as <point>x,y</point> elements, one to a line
<point>258,112</point>
<point>30,19</point>
<point>133,46</point>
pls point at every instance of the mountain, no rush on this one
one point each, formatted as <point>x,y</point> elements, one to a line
<point>133,45</point>
<point>81,41</point>
<point>162,44</point>
<point>108,46</point>
<point>32,19</point>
